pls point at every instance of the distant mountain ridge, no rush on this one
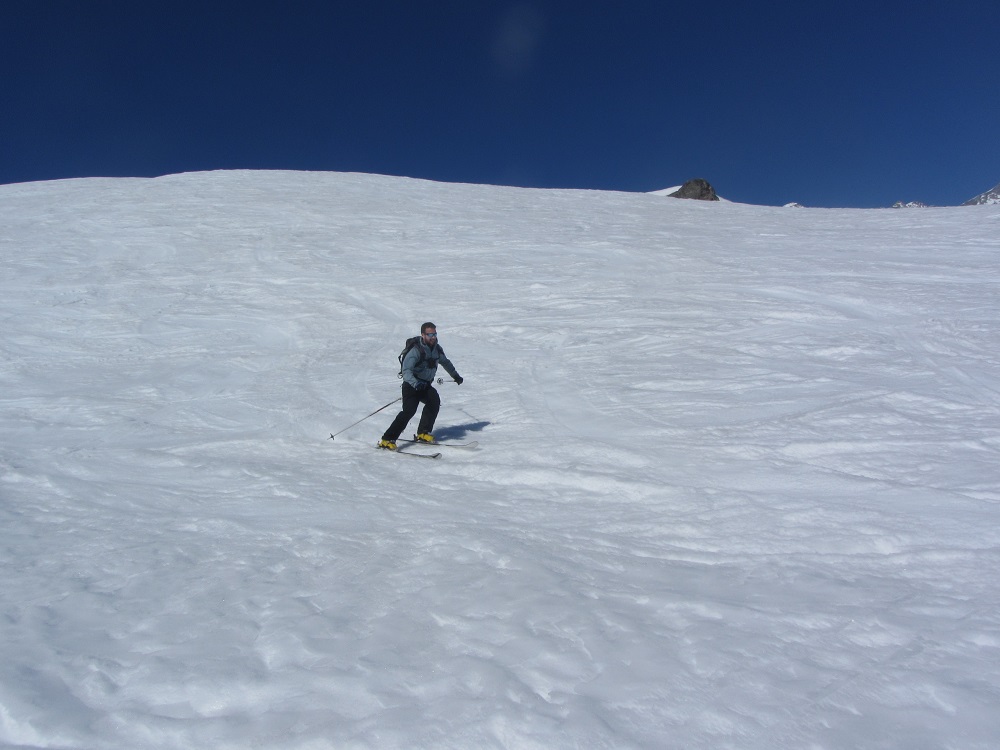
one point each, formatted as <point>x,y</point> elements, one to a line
<point>991,196</point>
<point>702,190</point>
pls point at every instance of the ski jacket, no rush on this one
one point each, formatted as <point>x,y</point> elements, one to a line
<point>421,362</point>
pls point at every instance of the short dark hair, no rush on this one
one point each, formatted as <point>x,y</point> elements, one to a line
<point>425,326</point>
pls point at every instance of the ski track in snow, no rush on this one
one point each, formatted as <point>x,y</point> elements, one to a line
<point>736,487</point>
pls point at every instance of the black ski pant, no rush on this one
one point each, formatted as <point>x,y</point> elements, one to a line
<point>412,398</point>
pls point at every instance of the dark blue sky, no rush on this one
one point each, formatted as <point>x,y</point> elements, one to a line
<point>829,104</point>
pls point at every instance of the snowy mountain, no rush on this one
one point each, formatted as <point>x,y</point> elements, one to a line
<point>737,483</point>
<point>990,197</point>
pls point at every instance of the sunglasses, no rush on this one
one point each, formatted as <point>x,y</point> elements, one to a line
<point>431,335</point>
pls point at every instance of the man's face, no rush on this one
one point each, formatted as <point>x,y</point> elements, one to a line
<point>430,336</point>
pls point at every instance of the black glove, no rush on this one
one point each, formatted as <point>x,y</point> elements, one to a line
<point>421,385</point>
<point>459,379</point>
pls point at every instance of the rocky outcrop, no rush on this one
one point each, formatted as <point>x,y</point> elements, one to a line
<point>698,190</point>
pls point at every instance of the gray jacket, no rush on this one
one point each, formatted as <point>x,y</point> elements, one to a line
<point>421,362</point>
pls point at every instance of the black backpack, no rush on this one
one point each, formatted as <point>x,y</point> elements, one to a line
<point>410,343</point>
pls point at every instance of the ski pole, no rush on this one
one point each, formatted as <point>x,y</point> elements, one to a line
<point>334,434</point>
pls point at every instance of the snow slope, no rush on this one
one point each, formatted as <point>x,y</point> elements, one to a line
<point>737,484</point>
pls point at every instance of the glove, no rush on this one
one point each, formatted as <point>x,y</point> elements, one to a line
<point>421,385</point>
<point>459,379</point>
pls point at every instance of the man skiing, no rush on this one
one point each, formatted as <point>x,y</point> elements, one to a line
<point>419,367</point>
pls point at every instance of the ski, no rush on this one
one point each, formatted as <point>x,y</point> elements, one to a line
<point>473,444</point>
<point>408,453</point>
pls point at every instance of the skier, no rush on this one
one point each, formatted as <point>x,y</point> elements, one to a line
<point>419,366</point>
